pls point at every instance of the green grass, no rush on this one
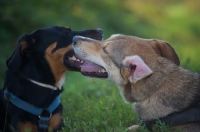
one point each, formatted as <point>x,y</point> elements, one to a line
<point>93,105</point>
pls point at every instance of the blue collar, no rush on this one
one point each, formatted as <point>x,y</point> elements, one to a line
<point>29,107</point>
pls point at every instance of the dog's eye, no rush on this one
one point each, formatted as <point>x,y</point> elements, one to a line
<point>66,33</point>
<point>104,50</point>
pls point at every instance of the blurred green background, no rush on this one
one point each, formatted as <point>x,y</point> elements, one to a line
<point>175,21</point>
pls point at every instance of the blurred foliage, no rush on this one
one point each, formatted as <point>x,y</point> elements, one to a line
<point>175,21</point>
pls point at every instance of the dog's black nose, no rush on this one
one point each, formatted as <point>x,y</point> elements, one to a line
<point>76,39</point>
<point>100,30</point>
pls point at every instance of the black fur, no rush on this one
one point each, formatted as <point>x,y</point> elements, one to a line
<point>29,62</point>
<point>190,115</point>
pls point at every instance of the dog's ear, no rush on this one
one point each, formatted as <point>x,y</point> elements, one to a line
<point>136,68</point>
<point>165,50</point>
<point>14,61</point>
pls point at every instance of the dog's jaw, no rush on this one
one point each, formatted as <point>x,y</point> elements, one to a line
<point>112,70</point>
<point>93,59</point>
<point>113,74</point>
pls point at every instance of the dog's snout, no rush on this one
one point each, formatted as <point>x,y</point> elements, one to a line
<point>76,39</point>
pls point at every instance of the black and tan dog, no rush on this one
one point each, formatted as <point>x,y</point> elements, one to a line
<point>147,73</point>
<point>30,99</point>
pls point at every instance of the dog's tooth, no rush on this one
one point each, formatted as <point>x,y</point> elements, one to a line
<point>73,58</point>
<point>81,61</point>
<point>103,70</point>
<point>99,71</point>
<point>77,60</point>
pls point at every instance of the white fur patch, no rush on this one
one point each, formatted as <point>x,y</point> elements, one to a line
<point>60,82</point>
<point>43,84</point>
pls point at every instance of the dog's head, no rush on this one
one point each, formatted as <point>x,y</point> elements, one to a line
<point>121,58</point>
<point>45,53</point>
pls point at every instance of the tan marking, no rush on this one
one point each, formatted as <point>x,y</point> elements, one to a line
<point>55,121</point>
<point>67,27</point>
<point>55,61</point>
<point>23,45</point>
<point>27,127</point>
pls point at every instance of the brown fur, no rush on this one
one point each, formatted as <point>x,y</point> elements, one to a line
<point>168,89</point>
<point>55,121</point>
<point>55,60</point>
<point>23,45</point>
<point>27,126</point>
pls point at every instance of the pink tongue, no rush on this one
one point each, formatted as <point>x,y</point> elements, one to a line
<point>90,67</point>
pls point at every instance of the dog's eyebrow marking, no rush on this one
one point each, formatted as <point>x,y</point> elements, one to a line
<point>104,50</point>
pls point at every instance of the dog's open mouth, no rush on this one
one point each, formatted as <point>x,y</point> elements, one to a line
<point>87,68</point>
<point>71,60</point>
<point>93,70</point>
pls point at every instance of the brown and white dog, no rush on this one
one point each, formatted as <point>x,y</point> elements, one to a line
<point>146,72</point>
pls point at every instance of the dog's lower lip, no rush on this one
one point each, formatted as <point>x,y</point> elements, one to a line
<point>92,69</point>
<point>95,74</point>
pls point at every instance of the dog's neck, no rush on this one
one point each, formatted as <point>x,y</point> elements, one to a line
<point>166,75</point>
<point>36,92</point>
<point>44,85</point>
<point>164,92</point>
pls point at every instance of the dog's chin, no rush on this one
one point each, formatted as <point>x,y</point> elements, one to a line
<point>95,74</point>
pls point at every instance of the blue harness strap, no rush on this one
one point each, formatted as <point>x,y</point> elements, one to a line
<point>44,121</point>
